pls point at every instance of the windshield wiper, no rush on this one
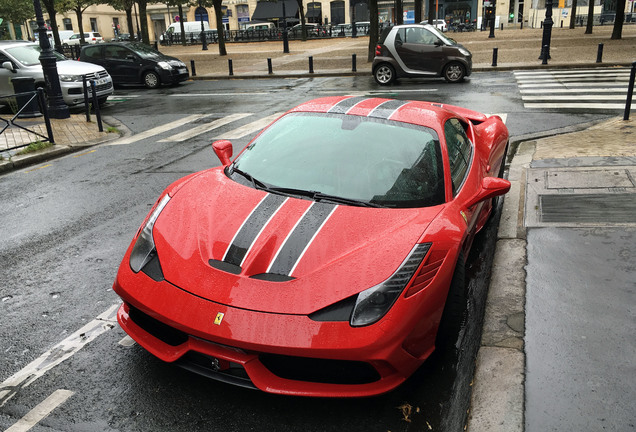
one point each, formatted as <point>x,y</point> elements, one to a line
<point>257,184</point>
<point>319,197</point>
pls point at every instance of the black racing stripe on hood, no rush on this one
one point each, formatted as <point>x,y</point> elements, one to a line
<point>251,227</point>
<point>386,109</point>
<point>299,239</point>
<point>345,105</point>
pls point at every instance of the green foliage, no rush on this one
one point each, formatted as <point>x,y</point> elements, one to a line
<point>34,146</point>
<point>17,11</point>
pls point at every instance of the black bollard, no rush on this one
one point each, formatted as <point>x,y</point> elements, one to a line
<point>501,27</point>
<point>98,114</point>
<point>86,101</point>
<point>599,54</point>
<point>630,92</point>
<point>494,56</point>
<point>230,67</point>
<point>353,63</point>
<point>521,26</point>
<point>311,64</point>
<point>193,67</point>
<point>269,66</point>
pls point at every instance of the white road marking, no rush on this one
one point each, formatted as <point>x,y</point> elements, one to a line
<point>218,94</point>
<point>156,131</point>
<point>250,128</point>
<point>59,353</point>
<point>575,97</point>
<point>578,105</point>
<point>205,128</point>
<point>42,410</point>
<point>127,341</point>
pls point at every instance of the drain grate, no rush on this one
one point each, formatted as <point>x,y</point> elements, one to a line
<point>588,208</point>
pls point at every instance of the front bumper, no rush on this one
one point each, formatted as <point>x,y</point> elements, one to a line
<point>276,353</point>
<point>174,75</point>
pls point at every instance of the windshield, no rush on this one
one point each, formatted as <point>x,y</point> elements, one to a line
<point>144,51</point>
<point>442,36</point>
<point>357,158</point>
<point>29,55</point>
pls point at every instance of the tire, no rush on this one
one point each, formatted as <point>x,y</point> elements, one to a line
<point>151,80</point>
<point>454,72</point>
<point>455,309</point>
<point>384,74</point>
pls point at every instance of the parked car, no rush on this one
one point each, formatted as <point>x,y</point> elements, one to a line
<point>419,51</point>
<point>89,38</point>
<point>124,37</point>
<point>135,63</point>
<point>192,29</point>
<point>328,258</point>
<point>20,59</point>
<point>439,24</point>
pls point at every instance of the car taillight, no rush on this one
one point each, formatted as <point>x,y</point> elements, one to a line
<point>377,50</point>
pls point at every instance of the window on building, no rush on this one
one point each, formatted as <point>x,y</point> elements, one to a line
<point>68,25</point>
<point>94,25</point>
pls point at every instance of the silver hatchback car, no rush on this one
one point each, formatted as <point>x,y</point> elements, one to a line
<point>21,59</point>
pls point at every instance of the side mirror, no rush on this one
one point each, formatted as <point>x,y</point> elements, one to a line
<point>438,42</point>
<point>490,188</point>
<point>223,150</point>
<point>8,66</point>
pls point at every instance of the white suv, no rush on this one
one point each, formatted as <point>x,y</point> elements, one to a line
<point>89,37</point>
<point>20,59</point>
<point>440,24</point>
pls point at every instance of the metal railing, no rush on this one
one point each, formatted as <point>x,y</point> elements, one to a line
<point>27,100</point>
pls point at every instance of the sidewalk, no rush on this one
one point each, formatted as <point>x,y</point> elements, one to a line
<point>519,384</point>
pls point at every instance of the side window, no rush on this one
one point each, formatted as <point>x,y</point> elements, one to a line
<point>460,152</point>
<point>93,52</point>
<point>116,52</point>
<point>418,35</point>
<point>400,35</point>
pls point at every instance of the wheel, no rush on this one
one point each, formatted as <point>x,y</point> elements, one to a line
<point>454,72</point>
<point>151,80</point>
<point>455,309</point>
<point>384,74</point>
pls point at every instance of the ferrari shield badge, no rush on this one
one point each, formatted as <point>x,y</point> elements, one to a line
<point>219,318</point>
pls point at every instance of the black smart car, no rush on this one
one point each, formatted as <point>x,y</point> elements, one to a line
<point>135,63</point>
<point>416,50</point>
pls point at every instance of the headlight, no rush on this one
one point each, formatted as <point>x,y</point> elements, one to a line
<point>164,65</point>
<point>71,78</point>
<point>464,51</point>
<point>144,247</point>
<point>373,303</point>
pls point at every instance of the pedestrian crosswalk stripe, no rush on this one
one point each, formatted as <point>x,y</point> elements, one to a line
<point>205,128</point>
<point>158,130</point>
<point>587,89</point>
<point>250,128</point>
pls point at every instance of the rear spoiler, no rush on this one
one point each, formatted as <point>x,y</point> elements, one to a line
<point>475,117</point>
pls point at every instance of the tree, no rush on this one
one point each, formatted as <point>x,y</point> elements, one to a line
<point>16,11</point>
<point>418,11</point>
<point>126,6</point>
<point>52,7</point>
<point>399,12</point>
<point>143,21</point>
<point>218,14</point>
<point>573,14</point>
<point>303,28</point>
<point>617,33</point>
<point>590,17</point>
<point>373,28</point>
<point>77,6</point>
<point>431,11</point>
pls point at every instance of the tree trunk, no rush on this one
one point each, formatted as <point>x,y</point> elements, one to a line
<point>573,14</point>
<point>303,21</point>
<point>49,5</point>
<point>183,37</point>
<point>78,14</point>
<point>373,29</point>
<point>617,33</point>
<point>218,14</point>
<point>129,21</point>
<point>399,12</point>
<point>143,21</point>
<point>590,17</point>
<point>431,11</point>
<point>418,11</point>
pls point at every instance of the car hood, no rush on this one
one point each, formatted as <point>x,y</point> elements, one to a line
<point>249,249</point>
<point>73,67</point>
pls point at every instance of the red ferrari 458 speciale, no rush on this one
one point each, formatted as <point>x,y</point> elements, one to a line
<point>327,259</point>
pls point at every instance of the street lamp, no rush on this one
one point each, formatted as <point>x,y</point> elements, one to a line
<point>57,108</point>
<point>547,33</point>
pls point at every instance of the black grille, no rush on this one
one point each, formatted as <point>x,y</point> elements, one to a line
<point>161,331</point>
<point>320,370</point>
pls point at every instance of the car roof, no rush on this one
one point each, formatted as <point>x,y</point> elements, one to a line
<point>12,43</point>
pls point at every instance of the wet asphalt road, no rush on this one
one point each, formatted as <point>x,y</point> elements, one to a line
<point>66,224</point>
